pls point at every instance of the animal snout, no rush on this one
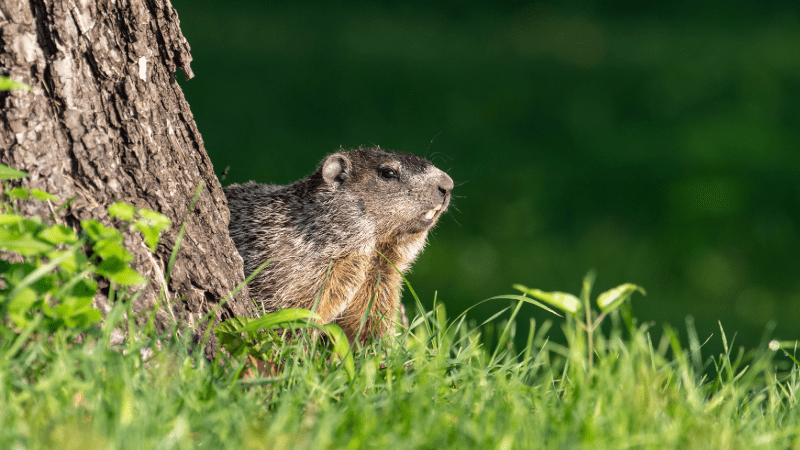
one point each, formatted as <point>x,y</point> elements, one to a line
<point>445,184</point>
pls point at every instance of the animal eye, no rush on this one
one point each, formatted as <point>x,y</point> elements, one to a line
<point>388,173</point>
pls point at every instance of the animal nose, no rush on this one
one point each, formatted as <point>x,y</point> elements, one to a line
<point>445,184</point>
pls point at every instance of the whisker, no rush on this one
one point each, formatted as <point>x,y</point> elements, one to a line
<point>431,142</point>
<point>454,218</point>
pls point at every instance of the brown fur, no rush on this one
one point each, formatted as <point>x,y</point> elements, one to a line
<point>325,231</point>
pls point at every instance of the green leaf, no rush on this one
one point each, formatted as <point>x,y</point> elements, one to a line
<point>122,211</point>
<point>9,173</point>
<point>18,271</point>
<point>86,287</point>
<point>561,300</point>
<point>524,299</point>
<point>155,219</point>
<point>78,303</point>
<point>76,312</point>
<point>227,335</point>
<point>612,298</point>
<point>60,311</point>
<point>58,234</point>
<point>85,318</point>
<point>79,290</point>
<point>42,195</point>
<point>111,249</point>
<point>24,244</point>
<point>22,301</point>
<point>150,237</point>
<point>36,275</point>
<point>20,192</point>
<point>341,346</point>
<point>20,305</point>
<point>151,224</point>
<point>232,325</point>
<point>8,219</point>
<point>73,263</point>
<point>7,84</point>
<point>30,224</point>
<point>98,232</point>
<point>286,318</point>
<point>128,277</point>
<point>119,272</point>
<point>230,338</point>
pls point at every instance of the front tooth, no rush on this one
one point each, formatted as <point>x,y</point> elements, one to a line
<point>429,214</point>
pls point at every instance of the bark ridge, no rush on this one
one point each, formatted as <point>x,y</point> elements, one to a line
<point>107,121</point>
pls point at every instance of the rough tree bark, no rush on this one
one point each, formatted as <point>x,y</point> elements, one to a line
<point>106,122</point>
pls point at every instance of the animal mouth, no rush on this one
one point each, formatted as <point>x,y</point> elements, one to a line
<point>432,212</point>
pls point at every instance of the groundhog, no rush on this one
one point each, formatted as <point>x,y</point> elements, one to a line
<point>327,232</point>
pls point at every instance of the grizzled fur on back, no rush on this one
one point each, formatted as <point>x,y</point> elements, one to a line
<point>323,232</point>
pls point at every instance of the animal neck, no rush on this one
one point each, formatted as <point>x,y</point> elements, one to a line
<point>402,250</point>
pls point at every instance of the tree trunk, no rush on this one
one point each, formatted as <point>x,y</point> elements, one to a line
<point>107,122</point>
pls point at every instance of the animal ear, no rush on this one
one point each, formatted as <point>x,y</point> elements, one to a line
<point>336,169</point>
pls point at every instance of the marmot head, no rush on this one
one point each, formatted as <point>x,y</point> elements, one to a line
<point>400,194</point>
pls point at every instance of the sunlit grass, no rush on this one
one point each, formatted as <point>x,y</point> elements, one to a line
<point>439,383</point>
<point>430,389</point>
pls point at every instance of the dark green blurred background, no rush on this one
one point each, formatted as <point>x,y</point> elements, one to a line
<point>656,144</point>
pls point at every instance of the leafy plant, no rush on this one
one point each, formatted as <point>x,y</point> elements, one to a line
<point>241,334</point>
<point>608,301</point>
<point>51,279</point>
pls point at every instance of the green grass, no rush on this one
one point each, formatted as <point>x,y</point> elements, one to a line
<point>439,390</point>
<point>440,384</point>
